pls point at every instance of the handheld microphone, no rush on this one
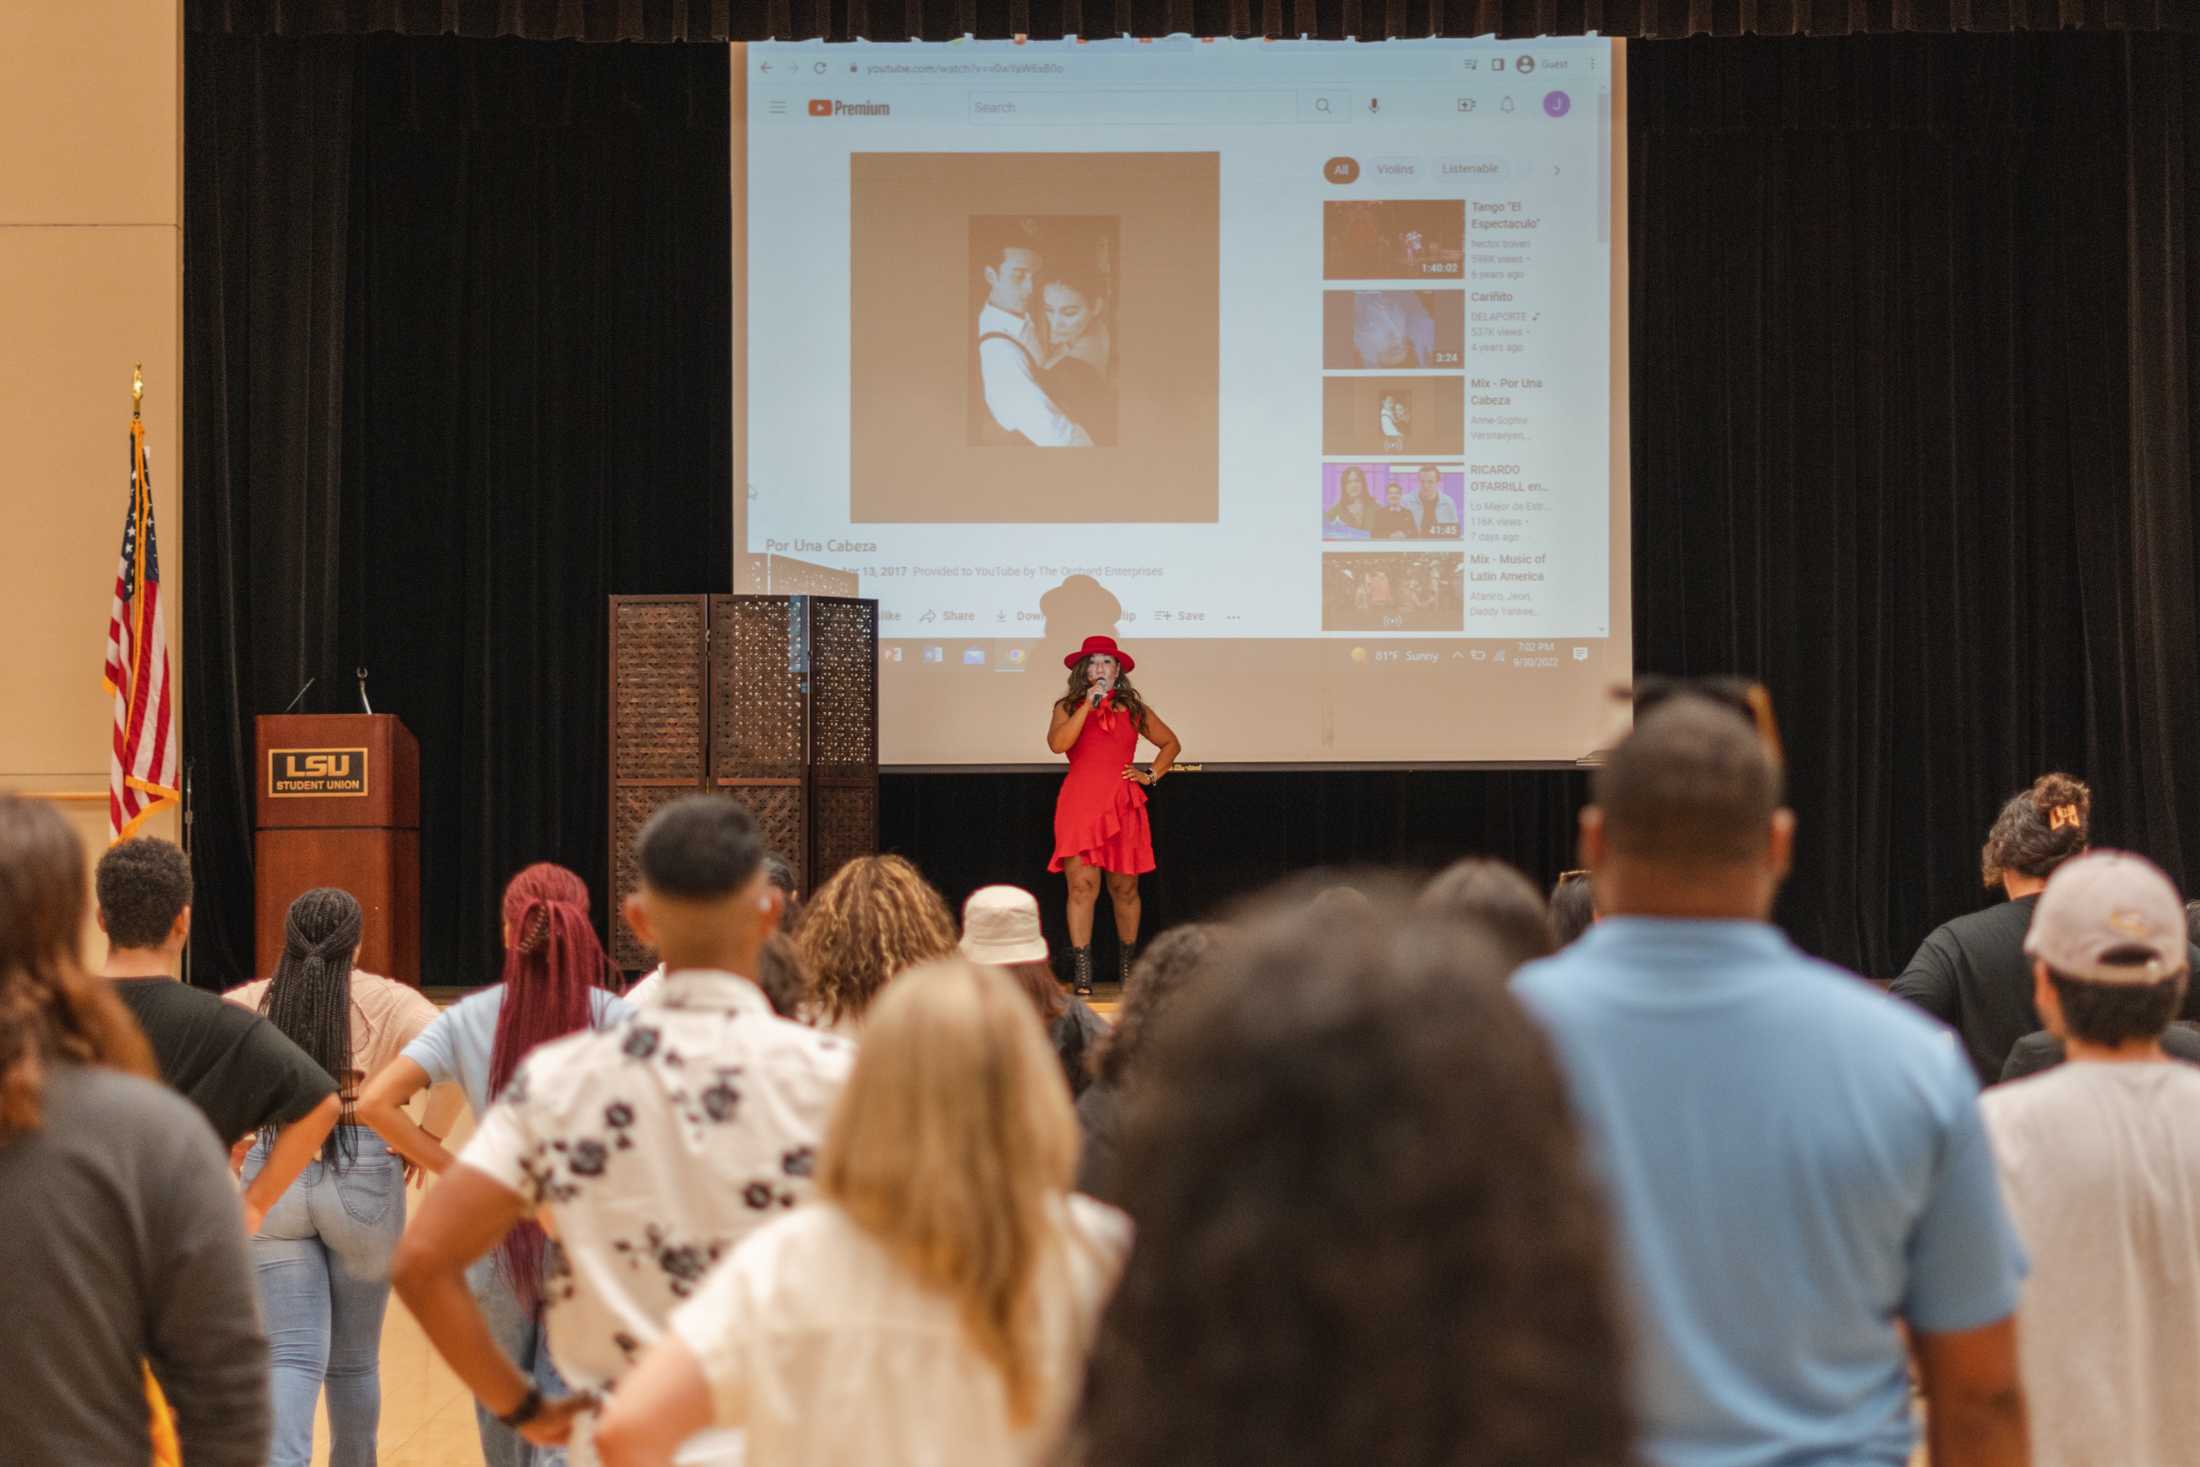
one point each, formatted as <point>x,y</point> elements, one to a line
<point>299,696</point>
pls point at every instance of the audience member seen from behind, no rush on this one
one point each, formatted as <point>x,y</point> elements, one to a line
<point>1573,906</point>
<point>1001,929</point>
<point>1797,1166</point>
<point>1496,898</point>
<point>552,985</point>
<point>243,1073</point>
<point>779,874</point>
<point>2042,1049</point>
<point>1365,1233</point>
<point>876,917</point>
<point>124,1234</point>
<point>2099,1162</point>
<point>1971,973</point>
<point>948,1282</point>
<point>1163,972</point>
<point>654,1146</point>
<point>322,1254</point>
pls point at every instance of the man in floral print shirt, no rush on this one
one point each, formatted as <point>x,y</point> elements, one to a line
<point>655,1145</point>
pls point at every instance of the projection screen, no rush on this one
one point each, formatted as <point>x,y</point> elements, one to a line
<point>1298,367</point>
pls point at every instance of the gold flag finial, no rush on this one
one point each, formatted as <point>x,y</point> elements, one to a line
<point>137,388</point>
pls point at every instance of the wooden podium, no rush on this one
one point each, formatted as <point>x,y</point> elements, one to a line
<point>339,805</point>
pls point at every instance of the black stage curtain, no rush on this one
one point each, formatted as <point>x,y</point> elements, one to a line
<point>1913,396</point>
<point>938,20</point>
<point>456,369</point>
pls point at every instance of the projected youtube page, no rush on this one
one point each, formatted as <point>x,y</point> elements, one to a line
<point>1295,366</point>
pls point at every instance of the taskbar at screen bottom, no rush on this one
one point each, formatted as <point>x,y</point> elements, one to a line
<point>975,700</point>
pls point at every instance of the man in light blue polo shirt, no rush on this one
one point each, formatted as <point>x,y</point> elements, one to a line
<point>1796,1163</point>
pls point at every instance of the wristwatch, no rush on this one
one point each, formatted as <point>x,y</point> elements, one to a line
<point>529,1407</point>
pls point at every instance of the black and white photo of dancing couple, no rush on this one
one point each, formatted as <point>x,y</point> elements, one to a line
<point>1043,292</point>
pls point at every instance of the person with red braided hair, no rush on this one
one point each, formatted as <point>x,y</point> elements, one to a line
<point>553,985</point>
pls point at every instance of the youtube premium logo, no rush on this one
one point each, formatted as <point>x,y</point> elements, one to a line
<point>826,107</point>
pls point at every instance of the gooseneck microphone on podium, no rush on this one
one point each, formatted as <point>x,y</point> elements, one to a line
<point>299,696</point>
<point>364,705</point>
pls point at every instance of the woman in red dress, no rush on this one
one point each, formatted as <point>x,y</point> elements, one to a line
<point>1100,823</point>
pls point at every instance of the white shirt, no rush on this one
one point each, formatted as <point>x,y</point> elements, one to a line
<point>831,1354</point>
<point>1013,395</point>
<point>647,990</point>
<point>2100,1164</point>
<point>657,1144</point>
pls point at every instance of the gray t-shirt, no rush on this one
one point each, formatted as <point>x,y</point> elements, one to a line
<point>2101,1166</point>
<point>126,1245</point>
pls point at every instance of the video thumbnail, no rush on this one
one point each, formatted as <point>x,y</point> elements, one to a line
<point>1411,415</point>
<point>1393,239</point>
<point>1393,501</point>
<point>1394,593</point>
<point>1377,329</point>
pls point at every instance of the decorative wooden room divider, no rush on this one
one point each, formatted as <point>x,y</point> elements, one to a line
<point>770,699</point>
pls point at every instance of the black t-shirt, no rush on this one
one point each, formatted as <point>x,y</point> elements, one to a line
<point>1972,975</point>
<point>242,1072</point>
<point>2043,1051</point>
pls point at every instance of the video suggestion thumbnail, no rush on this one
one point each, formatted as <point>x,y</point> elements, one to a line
<point>1393,239</point>
<point>1392,501</point>
<point>1394,593</point>
<point>1377,329</point>
<point>1414,415</point>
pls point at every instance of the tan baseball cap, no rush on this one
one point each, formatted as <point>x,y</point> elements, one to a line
<point>1001,926</point>
<point>2109,902</point>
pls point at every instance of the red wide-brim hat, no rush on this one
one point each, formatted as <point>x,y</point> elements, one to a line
<point>1097,646</point>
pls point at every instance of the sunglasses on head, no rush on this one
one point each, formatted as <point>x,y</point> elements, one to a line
<point>1749,699</point>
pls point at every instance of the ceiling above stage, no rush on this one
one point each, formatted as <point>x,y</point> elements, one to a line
<point>749,20</point>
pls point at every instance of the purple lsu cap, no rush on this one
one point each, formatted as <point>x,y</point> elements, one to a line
<point>2109,903</point>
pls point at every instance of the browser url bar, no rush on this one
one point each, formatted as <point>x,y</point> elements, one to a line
<point>1131,108</point>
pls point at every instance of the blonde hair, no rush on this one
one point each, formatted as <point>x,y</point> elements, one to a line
<point>951,1143</point>
<point>876,917</point>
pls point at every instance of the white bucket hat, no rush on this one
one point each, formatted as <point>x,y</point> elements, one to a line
<point>1001,926</point>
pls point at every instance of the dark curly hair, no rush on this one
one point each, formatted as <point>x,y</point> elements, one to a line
<point>2038,829</point>
<point>144,884</point>
<point>875,918</point>
<point>1499,900</point>
<point>1164,970</point>
<point>1365,1228</point>
<point>1126,696</point>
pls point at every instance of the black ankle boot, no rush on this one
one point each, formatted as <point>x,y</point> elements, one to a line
<point>1126,957</point>
<point>1081,957</point>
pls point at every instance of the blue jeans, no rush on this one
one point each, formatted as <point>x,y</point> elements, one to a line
<point>322,1260</point>
<point>520,1335</point>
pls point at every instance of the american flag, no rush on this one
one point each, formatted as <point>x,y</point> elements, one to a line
<point>137,666</point>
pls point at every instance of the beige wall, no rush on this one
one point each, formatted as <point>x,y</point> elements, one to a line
<point>91,281</point>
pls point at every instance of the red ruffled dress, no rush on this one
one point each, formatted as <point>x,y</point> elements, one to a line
<point>1099,814</point>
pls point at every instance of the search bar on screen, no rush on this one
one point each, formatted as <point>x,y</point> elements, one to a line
<point>1155,108</point>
